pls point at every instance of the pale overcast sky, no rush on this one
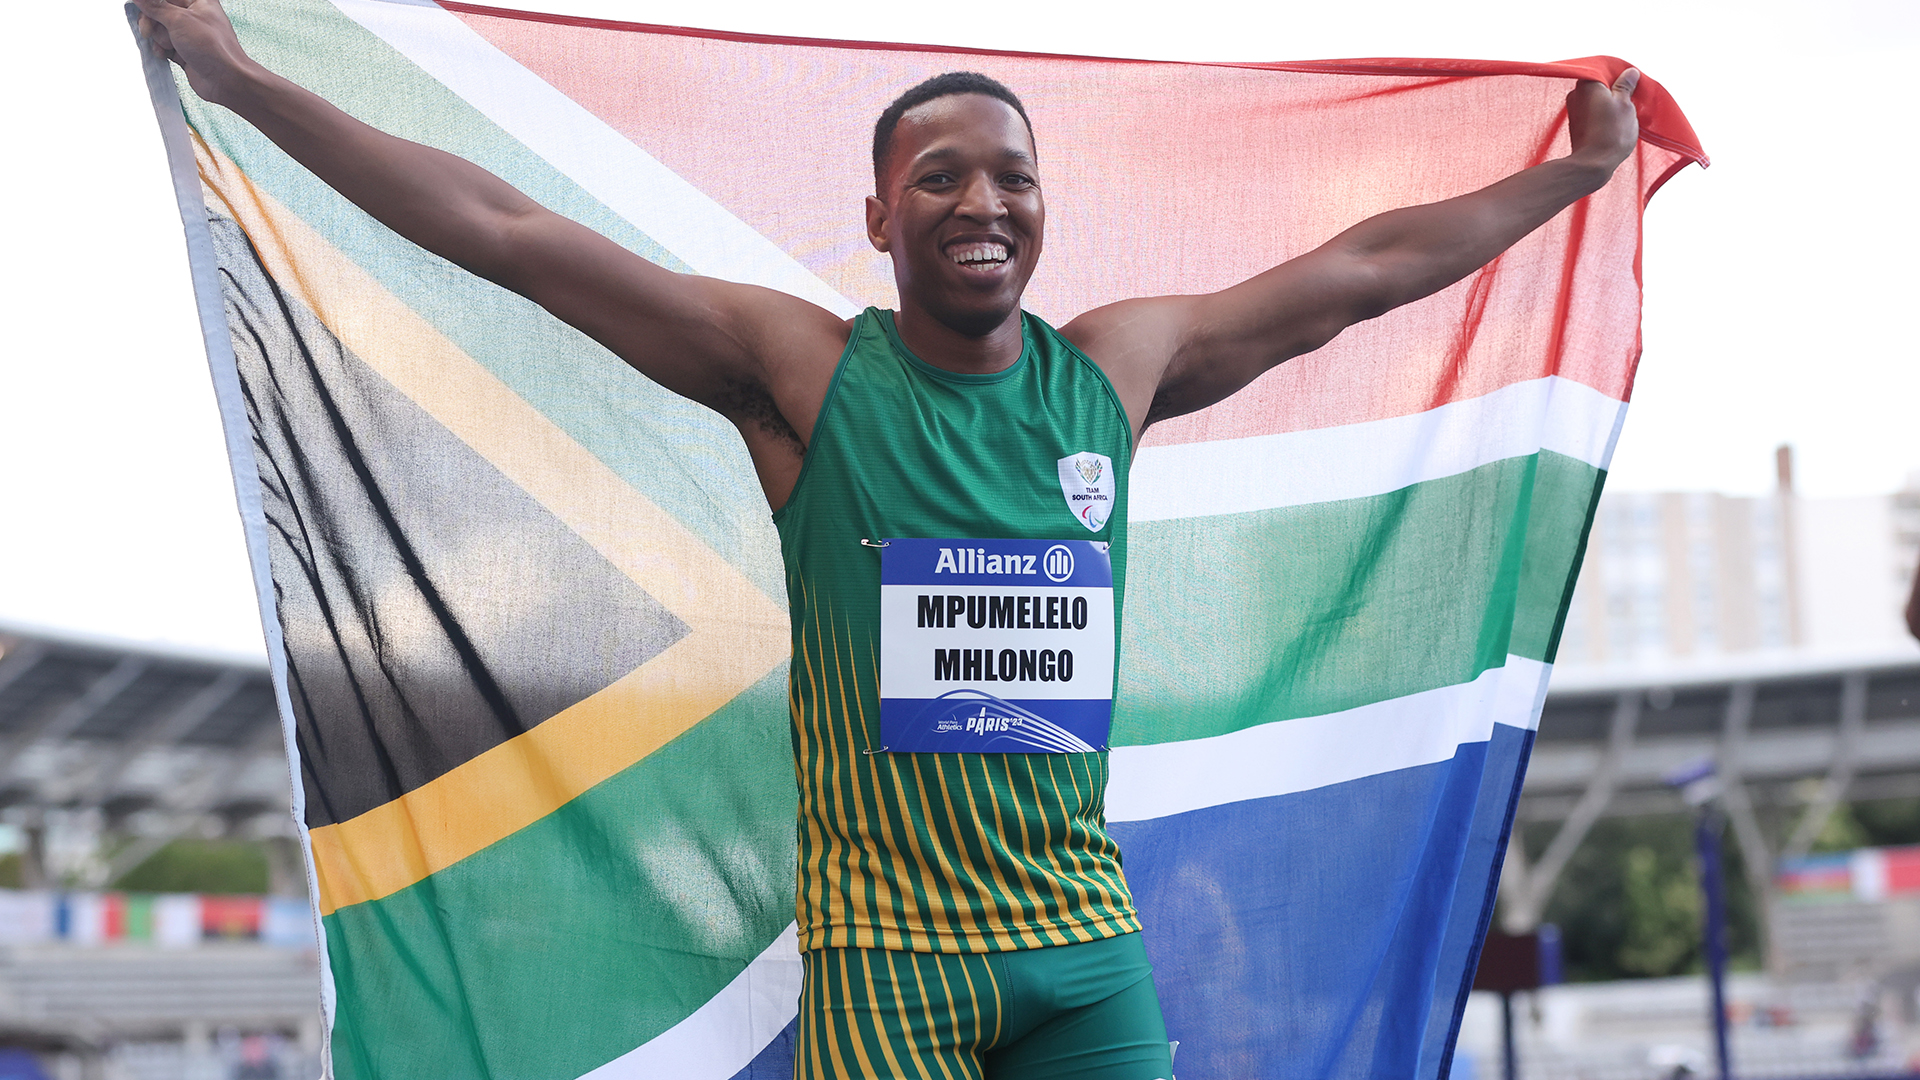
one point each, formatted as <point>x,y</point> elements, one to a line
<point>1780,282</point>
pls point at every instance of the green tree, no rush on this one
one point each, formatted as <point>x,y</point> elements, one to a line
<point>1628,903</point>
<point>1661,930</point>
<point>1886,822</point>
<point>1842,831</point>
<point>205,866</point>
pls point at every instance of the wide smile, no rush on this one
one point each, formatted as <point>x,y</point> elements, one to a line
<point>980,256</point>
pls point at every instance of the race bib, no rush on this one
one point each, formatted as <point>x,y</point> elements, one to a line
<point>996,646</point>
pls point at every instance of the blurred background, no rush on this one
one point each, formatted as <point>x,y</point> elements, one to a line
<point>1737,620</point>
<point>1735,665</point>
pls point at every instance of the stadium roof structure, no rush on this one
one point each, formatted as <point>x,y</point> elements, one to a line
<point>159,743</point>
<point>152,742</point>
<point>1793,735</point>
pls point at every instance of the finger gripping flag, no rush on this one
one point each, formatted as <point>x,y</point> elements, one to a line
<point>526,609</point>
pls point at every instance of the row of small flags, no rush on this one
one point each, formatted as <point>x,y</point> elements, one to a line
<point>1866,874</point>
<point>165,920</point>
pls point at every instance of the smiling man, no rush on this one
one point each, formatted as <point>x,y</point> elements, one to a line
<point>949,482</point>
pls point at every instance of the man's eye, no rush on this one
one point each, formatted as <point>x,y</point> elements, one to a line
<point>1017,180</point>
<point>938,179</point>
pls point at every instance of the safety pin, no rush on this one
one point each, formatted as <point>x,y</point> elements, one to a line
<point>883,749</point>
<point>864,542</point>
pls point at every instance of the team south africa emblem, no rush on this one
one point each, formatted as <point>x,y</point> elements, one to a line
<point>1087,481</point>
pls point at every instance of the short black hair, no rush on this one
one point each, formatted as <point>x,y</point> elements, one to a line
<point>953,82</point>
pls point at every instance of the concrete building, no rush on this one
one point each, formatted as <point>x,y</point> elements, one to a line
<point>1684,580</point>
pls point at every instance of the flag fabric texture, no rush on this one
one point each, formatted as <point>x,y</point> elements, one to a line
<point>526,612</point>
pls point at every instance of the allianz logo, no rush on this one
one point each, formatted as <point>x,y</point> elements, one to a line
<point>1056,564</point>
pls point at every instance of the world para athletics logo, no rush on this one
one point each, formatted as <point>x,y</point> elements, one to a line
<point>1058,562</point>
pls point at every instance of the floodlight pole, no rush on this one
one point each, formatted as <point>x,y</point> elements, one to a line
<point>1509,1057</point>
<point>1700,787</point>
<point>1713,884</point>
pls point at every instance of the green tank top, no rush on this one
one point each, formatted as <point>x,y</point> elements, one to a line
<point>960,852</point>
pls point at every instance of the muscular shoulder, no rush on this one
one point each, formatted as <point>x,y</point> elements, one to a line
<point>1133,342</point>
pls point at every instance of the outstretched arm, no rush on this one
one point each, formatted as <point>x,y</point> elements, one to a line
<point>1177,354</point>
<point>745,351</point>
<point>1913,607</point>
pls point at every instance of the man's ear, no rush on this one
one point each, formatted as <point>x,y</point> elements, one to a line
<point>877,223</point>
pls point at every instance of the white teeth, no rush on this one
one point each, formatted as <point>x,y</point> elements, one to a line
<point>978,254</point>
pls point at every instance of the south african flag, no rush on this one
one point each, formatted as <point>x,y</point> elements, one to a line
<point>526,610</point>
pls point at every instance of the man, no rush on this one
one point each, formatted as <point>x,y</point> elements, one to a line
<point>961,906</point>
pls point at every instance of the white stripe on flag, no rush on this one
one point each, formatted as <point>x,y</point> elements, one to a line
<point>1280,758</point>
<point>1288,756</point>
<point>1231,476</point>
<point>723,1035</point>
<point>699,231</point>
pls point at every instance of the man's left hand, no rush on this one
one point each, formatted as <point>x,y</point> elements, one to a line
<point>1602,121</point>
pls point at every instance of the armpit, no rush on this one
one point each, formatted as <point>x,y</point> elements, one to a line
<point>749,405</point>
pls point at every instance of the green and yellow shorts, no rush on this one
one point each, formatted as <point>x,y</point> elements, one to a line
<point>1067,1012</point>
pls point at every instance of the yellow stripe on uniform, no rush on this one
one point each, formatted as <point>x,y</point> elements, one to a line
<point>948,1035</point>
<point>892,960</point>
<point>1032,928</point>
<point>851,808</point>
<point>855,1031</point>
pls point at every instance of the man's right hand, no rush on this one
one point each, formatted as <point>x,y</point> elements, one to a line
<point>760,358</point>
<point>196,35</point>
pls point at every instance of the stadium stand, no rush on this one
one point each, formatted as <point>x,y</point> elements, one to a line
<point>150,743</point>
<point>109,751</point>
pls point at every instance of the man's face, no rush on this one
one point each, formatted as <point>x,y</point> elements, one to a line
<point>960,211</point>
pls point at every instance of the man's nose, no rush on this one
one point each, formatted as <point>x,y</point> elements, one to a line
<point>980,200</point>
